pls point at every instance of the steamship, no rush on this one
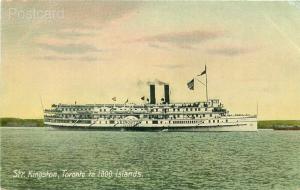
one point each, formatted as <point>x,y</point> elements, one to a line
<point>209,115</point>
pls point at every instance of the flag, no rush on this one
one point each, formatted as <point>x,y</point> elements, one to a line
<point>143,98</point>
<point>114,98</point>
<point>203,72</point>
<point>191,85</point>
<point>126,101</point>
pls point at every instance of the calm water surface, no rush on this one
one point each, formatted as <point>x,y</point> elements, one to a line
<point>255,160</point>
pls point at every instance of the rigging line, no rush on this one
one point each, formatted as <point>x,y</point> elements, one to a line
<point>41,101</point>
<point>200,81</point>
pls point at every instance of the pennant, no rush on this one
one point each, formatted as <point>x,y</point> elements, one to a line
<point>191,85</point>
<point>126,101</point>
<point>114,98</point>
<point>143,98</point>
<point>203,72</point>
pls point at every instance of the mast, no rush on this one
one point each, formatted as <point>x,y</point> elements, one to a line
<point>206,84</point>
<point>256,110</point>
<point>42,106</point>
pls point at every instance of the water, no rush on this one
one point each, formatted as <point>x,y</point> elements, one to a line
<point>253,160</point>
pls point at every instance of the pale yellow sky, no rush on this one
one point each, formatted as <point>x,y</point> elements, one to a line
<point>93,51</point>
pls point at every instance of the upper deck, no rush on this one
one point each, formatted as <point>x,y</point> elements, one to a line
<point>196,106</point>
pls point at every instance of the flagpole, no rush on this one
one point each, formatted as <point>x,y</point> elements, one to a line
<point>256,110</point>
<point>206,84</point>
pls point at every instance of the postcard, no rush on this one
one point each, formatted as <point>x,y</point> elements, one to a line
<point>150,95</point>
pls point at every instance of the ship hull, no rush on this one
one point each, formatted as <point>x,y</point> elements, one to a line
<point>229,128</point>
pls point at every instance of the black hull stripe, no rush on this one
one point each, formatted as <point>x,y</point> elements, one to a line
<point>136,128</point>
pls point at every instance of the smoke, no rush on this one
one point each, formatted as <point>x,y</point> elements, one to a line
<point>159,82</point>
<point>141,83</point>
<point>156,81</point>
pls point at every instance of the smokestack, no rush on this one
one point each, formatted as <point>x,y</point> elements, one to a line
<point>152,94</point>
<point>167,93</point>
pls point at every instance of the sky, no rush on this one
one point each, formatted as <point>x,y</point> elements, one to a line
<point>88,52</point>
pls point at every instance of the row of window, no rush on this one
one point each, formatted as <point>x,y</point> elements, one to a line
<point>69,121</point>
<point>76,109</point>
<point>193,121</point>
<point>156,109</point>
<point>153,122</point>
<point>190,116</point>
<point>76,116</point>
<point>175,116</point>
<point>180,109</point>
<point>124,122</point>
<point>186,122</point>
